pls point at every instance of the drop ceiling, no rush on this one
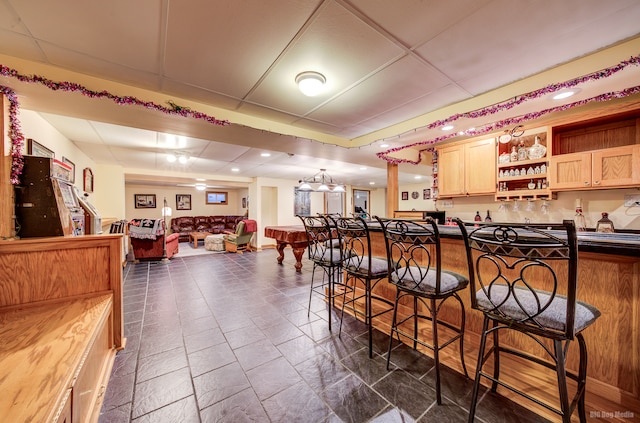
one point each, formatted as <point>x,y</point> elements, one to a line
<point>391,68</point>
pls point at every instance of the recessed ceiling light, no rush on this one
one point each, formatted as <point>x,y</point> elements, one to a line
<point>372,183</point>
<point>200,179</point>
<point>265,154</point>
<point>363,168</point>
<point>183,159</point>
<point>417,177</point>
<point>447,127</point>
<point>384,145</point>
<point>235,169</point>
<point>565,93</point>
<point>171,158</point>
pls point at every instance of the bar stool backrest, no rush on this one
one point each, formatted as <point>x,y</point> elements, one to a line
<point>355,243</point>
<point>518,272</point>
<point>413,252</point>
<point>322,240</point>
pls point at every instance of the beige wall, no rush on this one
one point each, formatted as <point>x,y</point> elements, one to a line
<point>198,202</point>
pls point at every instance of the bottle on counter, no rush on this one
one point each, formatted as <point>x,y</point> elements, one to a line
<point>477,217</point>
<point>488,218</point>
<point>581,223</point>
<point>605,224</point>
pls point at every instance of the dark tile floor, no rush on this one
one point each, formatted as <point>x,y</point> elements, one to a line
<point>226,338</point>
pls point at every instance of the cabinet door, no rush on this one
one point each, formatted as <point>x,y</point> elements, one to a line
<point>570,171</point>
<point>451,171</point>
<point>480,167</point>
<point>616,167</point>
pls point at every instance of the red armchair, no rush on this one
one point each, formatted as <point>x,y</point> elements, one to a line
<point>152,249</point>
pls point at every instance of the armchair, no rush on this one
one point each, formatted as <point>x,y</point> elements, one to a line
<point>150,245</point>
<point>240,240</point>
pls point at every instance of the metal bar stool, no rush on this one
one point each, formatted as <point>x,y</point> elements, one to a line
<point>324,251</point>
<point>524,279</point>
<point>361,267</point>
<point>414,261</point>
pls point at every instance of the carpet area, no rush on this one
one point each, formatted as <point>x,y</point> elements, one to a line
<point>185,249</point>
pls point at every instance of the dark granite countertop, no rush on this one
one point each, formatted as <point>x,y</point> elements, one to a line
<point>624,244</point>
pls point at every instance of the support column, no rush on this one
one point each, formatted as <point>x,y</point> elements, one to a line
<point>7,223</point>
<point>392,188</point>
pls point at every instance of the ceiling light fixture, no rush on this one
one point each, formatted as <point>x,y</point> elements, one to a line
<point>180,157</point>
<point>324,181</point>
<point>565,93</point>
<point>201,187</point>
<point>310,83</point>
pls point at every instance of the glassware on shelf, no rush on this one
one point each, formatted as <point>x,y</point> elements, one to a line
<point>537,150</point>
<point>514,154</point>
<point>522,151</point>
<point>502,207</point>
<point>516,205</point>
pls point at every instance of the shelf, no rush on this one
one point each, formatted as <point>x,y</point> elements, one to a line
<point>523,163</point>
<point>523,194</point>
<point>522,178</point>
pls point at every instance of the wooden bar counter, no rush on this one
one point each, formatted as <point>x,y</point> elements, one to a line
<point>60,326</point>
<point>608,278</point>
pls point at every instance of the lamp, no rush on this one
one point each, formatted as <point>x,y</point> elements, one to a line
<point>310,83</point>
<point>324,182</point>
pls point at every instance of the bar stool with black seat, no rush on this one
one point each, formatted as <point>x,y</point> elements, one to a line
<point>324,252</point>
<point>361,268</point>
<point>414,261</point>
<point>524,279</point>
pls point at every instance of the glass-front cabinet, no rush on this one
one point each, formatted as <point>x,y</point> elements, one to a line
<point>523,162</point>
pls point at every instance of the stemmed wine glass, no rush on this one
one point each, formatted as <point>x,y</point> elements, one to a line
<point>516,205</point>
<point>530,205</point>
<point>502,207</point>
<point>546,207</point>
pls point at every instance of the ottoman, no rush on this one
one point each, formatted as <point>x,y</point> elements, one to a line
<point>214,242</point>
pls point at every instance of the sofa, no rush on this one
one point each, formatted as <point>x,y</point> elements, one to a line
<point>213,224</point>
<point>153,248</point>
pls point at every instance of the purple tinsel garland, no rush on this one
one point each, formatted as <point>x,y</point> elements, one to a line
<point>17,139</point>
<point>605,73</point>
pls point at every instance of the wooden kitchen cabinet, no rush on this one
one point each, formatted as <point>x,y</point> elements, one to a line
<point>467,169</point>
<point>607,168</point>
<point>603,152</point>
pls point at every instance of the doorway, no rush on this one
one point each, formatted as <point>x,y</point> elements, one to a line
<point>361,203</point>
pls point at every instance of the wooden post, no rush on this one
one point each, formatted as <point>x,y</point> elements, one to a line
<point>392,188</point>
<point>7,221</point>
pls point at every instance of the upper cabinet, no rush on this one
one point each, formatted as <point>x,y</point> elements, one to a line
<point>467,168</point>
<point>599,153</point>
<point>523,164</point>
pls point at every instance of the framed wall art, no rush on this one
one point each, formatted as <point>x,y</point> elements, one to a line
<point>426,194</point>
<point>34,148</point>
<point>405,195</point>
<point>145,201</point>
<point>87,176</point>
<point>183,201</point>
<point>72,175</point>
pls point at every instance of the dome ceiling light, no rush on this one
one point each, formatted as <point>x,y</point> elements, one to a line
<point>310,83</point>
